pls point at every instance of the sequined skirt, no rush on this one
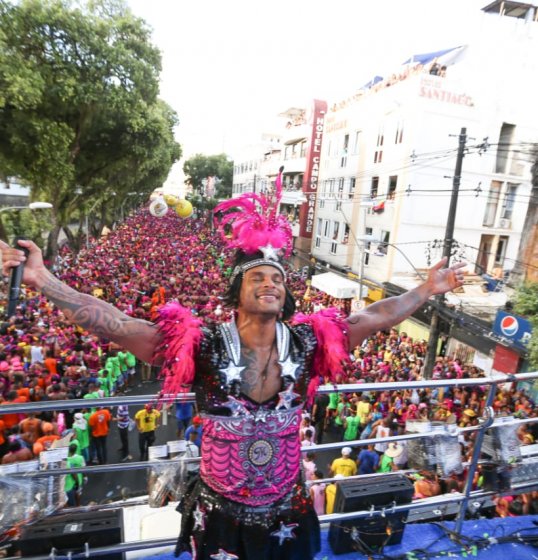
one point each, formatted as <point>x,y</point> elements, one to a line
<point>285,530</point>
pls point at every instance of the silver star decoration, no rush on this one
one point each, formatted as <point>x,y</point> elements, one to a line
<point>285,532</point>
<point>199,520</point>
<point>232,372</point>
<point>269,252</point>
<point>285,398</point>
<point>237,407</point>
<point>288,368</point>
<point>223,555</point>
<point>261,416</point>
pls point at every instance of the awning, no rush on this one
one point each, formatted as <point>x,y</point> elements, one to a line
<point>336,286</point>
<point>446,56</point>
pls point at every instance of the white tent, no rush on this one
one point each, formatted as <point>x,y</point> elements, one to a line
<point>336,286</point>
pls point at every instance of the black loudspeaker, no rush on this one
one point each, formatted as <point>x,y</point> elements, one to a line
<point>70,532</point>
<point>376,531</point>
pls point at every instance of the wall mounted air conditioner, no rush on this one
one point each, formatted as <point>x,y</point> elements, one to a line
<point>505,223</point>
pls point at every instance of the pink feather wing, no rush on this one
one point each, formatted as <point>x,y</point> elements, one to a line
<point>181,336</point>
<point>332,349</point>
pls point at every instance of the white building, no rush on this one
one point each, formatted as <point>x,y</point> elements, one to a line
<point>256,165</point>
<point>389,155</point>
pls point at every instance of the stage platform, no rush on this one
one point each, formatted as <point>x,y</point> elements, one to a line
<point>428,537</point>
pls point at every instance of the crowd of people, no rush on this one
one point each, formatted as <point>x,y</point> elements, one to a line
<point>146,262</point>
<point>394,356</point>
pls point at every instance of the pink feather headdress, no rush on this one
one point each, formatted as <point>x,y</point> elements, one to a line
<point>255,223</point>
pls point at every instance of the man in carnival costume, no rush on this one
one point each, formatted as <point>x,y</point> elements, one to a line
<point>251,378</point>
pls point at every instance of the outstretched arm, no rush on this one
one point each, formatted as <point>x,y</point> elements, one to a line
<point>391,311</point>
<point>138,336</point>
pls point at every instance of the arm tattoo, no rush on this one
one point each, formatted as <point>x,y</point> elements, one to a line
<point>91,313</point>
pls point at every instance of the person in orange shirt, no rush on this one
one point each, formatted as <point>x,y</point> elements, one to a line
<point>51,363</point>
<point>30,429</point>
<point>13,418</point>
<point>22,391</point>
<point>99,423</point>
<point>45,441</point>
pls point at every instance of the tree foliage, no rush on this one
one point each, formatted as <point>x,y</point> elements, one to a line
<point>199,167</point>
<point>79,113</point>
<point>526,304</point>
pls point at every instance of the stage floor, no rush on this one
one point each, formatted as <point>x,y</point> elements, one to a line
<point>428,537</point>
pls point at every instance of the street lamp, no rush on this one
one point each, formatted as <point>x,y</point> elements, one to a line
<point>31,206</point>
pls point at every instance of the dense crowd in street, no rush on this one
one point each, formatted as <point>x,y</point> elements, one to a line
<point>146,262</point>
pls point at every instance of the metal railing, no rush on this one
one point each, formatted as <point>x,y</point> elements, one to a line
<point>487,421</point>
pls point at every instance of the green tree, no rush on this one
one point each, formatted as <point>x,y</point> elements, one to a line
<point>79,114</point>
<point>199,167</point>
<point>526,304</point>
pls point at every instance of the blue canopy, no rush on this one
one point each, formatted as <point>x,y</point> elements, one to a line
<point>372,82</point>
<point>428,57</point>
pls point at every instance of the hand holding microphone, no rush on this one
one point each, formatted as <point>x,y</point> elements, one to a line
<point>15,281</point>
<point>22,263</point>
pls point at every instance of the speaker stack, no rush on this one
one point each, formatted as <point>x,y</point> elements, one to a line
<point>375,532</point>
<point>69,533</point>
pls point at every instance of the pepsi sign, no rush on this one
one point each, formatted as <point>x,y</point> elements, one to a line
<point>512,327</point>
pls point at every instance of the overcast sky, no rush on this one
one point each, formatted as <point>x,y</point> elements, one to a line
<point>230,67</point>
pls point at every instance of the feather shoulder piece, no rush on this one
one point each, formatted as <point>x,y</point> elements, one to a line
<point>331,352</point>
<point>181,336</point>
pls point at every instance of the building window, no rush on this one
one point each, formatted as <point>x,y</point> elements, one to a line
<point>340,187</point>
<point>351,191</point>
<point>393,182</point>
<point>326,227</point>
<point>294,151</point>
<point>346,234</point>
<point>501,250</point>
<point>383,246</point>
<point>331,188</point>
<point>374,187</point>
<point>368,245</point>
<point>398,139</point>
<point>345,147</point>
<point>509,201</point>
<point>334,246</point>
<point>320,224</point>
<point>492,204</point>
<point>378,155</point>
<point>318,242</point>
<point>303,148</point>
<point>322,203</point>
<point>336,229</point>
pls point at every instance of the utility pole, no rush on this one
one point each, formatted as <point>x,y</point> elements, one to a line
<point>447,248</point>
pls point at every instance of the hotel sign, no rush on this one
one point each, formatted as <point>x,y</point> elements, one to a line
<point>311,176</point>
<point>435,88</point>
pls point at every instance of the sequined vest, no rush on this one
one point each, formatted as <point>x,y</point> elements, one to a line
<point>251,451</point>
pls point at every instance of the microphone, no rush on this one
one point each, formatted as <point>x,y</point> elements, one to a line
<point>15,280</point>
